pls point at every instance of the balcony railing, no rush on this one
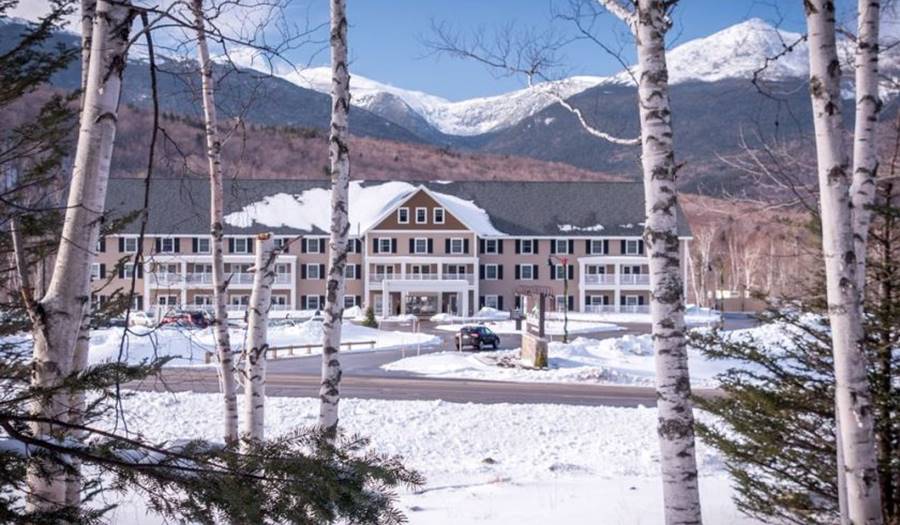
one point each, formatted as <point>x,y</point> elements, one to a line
<point>635,308</point>
<point>165,278</point>
<point>206,278</point>
<point>600,308</point>
<point>376,278</point>
<point>599,278</point>
<point>611,308</point>
<point>200,278</point>
<point>635,278</point>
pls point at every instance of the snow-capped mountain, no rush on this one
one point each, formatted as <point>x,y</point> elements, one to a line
<point>466,117</point>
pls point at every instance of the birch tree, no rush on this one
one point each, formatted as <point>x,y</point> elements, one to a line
<point>852,392</point>
<point>339,156</point>
<point>217,222</point>
<point>257,345</point>
<point>57,318</point>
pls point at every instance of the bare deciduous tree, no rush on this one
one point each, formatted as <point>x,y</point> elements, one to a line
<point>257,345</point>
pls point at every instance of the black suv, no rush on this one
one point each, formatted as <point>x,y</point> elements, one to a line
<point>476,337</point>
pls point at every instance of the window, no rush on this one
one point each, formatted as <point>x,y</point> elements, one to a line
<point>239,300</point>
<point>282,273</point>
<point>562,245</point>
<point>312,245</point>
<point>559,271</point>
<point>167,300</point>
<point>203,245</point>
<point>457,245</point>
<point>491,272</point>
<point>280,301</point>
<point>129,244</point>
<point>527,245</point>
<point>95,271</point>
<point>128,270</point>
<point>350,271</point>
<point>492,301</point>
<point>438,216</point>
<point>167,245</point>
<point>349,301</point>
<point>421,215</point>
<point>490,246</point>
<point>312,271</point>
<point>385,245</point>
<point>596,247</point>
<point>560,303</point>
<point>420,245</point>
<point>526,272</point>
<point>241,245</point>
<point>632,300</point>
<point>632,247</point>
<point>202,300</point>
<point>312,302</point>
<point>280,243</point>
<point>403,215</point>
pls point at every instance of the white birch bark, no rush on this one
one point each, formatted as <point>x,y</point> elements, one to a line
<point>339,156</point>
<point>853,398</point>
<point>681,497</point>
<point>865,153</point>
<point>217,220</point>
<point>61,310</point>
<point>257,345</point>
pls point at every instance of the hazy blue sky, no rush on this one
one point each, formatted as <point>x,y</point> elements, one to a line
<point>386,35</point>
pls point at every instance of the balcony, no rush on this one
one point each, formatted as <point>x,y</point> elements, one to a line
<point>599,308</point>
<point>599,278</point>
<point>165,279</point>
<point>611,308</point>
<point>378,278</point>
<point>634,279</point>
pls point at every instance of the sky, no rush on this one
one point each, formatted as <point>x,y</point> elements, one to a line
<point>387,37</point>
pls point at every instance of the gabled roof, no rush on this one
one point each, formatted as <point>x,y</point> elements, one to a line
<point>294,207</point>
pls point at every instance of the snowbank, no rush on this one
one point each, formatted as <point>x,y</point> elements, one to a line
<point>489,463</point>
<point>693,316</point>
<point>485,314</point>
<point>552,328</point>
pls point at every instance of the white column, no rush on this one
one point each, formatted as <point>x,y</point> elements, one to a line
<point>183,284</point>
<point>402,302</point>
<point>581,289</point>
<point>385,302</point>
<point>464,308</point>
<point>684,255</point>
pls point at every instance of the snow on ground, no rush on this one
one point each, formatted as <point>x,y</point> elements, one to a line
<point>492,463</point>
<point>189,347</point>
<point>485,314</point>
<point>620,360</point>
<point>693,316</point>
<point>550,327</point>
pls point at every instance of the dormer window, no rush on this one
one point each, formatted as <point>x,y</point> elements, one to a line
<point>421,215</point>
<point>403,215</point>
<point>438,215</point>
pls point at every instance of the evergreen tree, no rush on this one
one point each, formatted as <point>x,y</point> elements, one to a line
<point>775,423</point>
<point>370,320</point>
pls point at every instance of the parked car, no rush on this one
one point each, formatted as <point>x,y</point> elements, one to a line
<point>188,319</point>
<point>476,337</point>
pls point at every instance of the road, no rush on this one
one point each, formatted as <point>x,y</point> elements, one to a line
<point>364,378</point>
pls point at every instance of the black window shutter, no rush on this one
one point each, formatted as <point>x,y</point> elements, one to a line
<point>622,300</point>
<point>121,269</point>
<point>321,301</point>
<point>641,300</point>
<point>102,271</point>
<point>480,245</point>
<point>480,301</point>
<point>499,245</point>
<point>553,273</point>
<point>641,247</point>
<point>359,245</point>
<point>430,245</point>
<point>571,245</point>
<point>177,245</point>
<point>499,302</point>
<point>158,245</point>
<point>358,272</point>
<point>250,244</point>
<point>102,244</point>
<point>571,271</point>
<point>534,245</point>
<point>303,247</point>
<point>622,247</point>
<point>518,246</point>
<point>571,303</point>
<point>605,246</point>
<point>393,245</point>
<point>518,302</point>
<point>518,272</point>
<point>481,271</point>
<point>194,244</point>
<point>446,245</point>
<point>499,271</point>
<point>375,245</point>
<point>140,302</point>
<point>357,300</point>
<point>552,246</point>
<point>587,247</point>
<point>121,244</point>
<point>534,271</point>
<point>230,245</point>
<point>466,246</point>
<point>587,300</point>
<point>412,246</point>
<point>321,271</point>
<point>323,245</point>
<point>303,272</point>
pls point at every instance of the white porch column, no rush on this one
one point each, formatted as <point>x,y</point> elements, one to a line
<point>464,308</point>
<point>183,284</point>
<point>402,302</point>
<point>385,302</point>
<point>617,294</point>
<point>581,289</point>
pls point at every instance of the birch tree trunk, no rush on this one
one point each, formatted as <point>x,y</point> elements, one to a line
<point>865,154</point>
<point>339,155</point>
<point>257,346</point>
<point>853,397</point>
<point>217,221</point>
<point>61,310</point>
<point>673,386</point>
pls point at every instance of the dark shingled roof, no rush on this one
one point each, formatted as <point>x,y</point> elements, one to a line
<point>181,206</point>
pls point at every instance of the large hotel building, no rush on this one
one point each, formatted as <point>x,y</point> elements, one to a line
<point>420,248</point>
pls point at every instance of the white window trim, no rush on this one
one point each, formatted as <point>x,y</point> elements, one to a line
<point>95,270</point>
<point>308,247</point>
<point>125,244</point>
<point>601,251</point>
<point>496,276</point>
<point>556,272</point>
<point>424,215</point>
<point>496,249</point>
<point>416,241</point>
<point>208,245</point>
<point>462,246</point>
<point>637,247</point>
<point>352,299</point>
<point>530,250</point>
<point>162,244</point>
<point>350,271</point>
<point>492,301</point>
<point>246,245</point>
<point>434,215</point>
<point>306,301</point>
<point>399,219</point>
<point>530,272</point>
<point>629,297</point>
<point>565,243</point>
<point>279,299</point>
<point>381,241</point>
<point>310,266</point>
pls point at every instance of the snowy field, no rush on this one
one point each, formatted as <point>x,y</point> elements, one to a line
<point>693,316</point>
<point>551,327</point>
<point>189,347</point>
<point>620,360</point>
<point>500,464</point>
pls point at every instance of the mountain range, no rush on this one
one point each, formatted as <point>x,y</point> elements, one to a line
<point>716,106</point>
